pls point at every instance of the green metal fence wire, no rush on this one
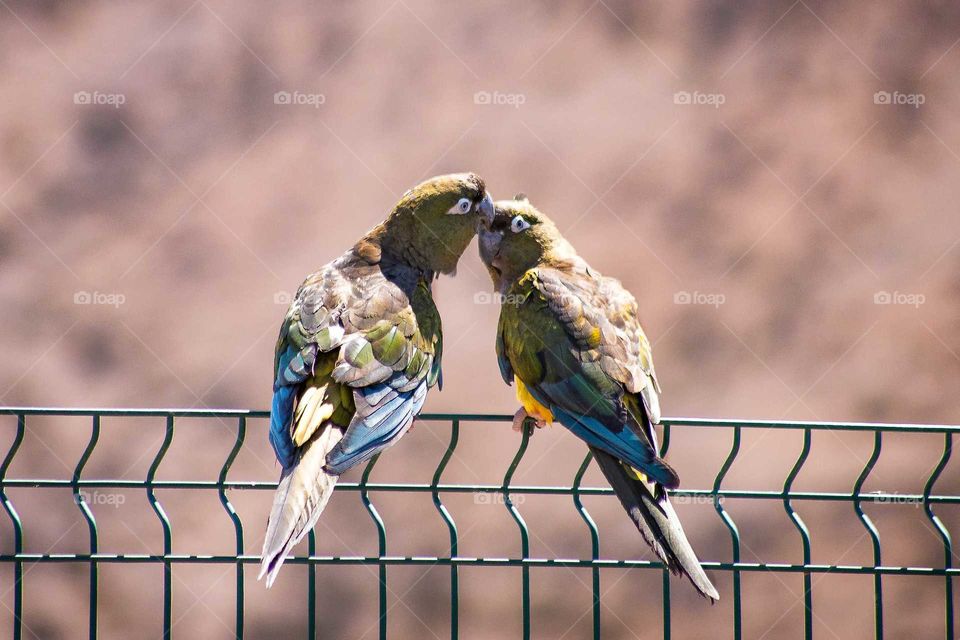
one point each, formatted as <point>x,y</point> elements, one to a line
<point>437,488</point>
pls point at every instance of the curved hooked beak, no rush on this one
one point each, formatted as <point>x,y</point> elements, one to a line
<point>490,248</point>
<point>486,211</point>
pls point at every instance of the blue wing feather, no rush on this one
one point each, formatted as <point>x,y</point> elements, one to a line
<point>281,410</point>
<point>375,428</point>
<point>281,413</point>
<point>624,443</point>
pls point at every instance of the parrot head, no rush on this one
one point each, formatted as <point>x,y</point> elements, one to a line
<point>519,239</point>
<point>434,222</point>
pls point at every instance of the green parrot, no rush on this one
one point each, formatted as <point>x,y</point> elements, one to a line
<point>358,349</point>
<point>570,340</point>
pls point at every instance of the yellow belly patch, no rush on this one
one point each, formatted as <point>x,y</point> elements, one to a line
<point>529,403</point>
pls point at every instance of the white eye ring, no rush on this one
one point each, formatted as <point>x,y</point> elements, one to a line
<point>518,224</point>
<point>463,206</point>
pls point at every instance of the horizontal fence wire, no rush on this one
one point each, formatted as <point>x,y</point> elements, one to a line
<point>507,489</point>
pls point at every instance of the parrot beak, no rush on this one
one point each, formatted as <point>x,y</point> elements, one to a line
<point>486,211</point>
<point>490,246</point>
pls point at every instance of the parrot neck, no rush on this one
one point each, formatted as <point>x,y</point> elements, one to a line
<point>562,253</point>
<point>567,262</point>
<point>563,257</point>
<point>384,245</point>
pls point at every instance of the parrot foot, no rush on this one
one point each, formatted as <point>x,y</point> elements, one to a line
<point>522,419</point>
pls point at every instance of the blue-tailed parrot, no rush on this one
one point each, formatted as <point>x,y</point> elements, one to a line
<point>570,341</point>
<point>358,349</point>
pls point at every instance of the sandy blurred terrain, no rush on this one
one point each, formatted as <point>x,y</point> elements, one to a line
<point>777,183</point>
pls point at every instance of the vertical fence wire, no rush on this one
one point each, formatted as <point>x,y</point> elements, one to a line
<point>165,524</point>
<point>665,574</point>
<point>804,534</point>
<point>524,532</point>
<point>237,524</point>
<point>734,532</point>
<point>81,503</point>
<point>594,541</point>
<point>451,527</point>
<point>311,586</point>
<point>943,531</point>
<point>381,542</point>
<point>17,529</point>
<point>874,533</point>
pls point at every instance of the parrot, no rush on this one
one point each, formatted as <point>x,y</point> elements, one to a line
<point>358,349</point>
<point>569,339</point>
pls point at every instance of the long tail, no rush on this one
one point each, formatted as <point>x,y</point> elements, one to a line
<point>301,497</point>
<point>657,521</point>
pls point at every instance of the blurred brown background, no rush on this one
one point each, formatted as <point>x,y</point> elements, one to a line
<point>776,182</point>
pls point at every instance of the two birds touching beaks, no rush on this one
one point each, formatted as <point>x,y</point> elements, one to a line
<point>361,345</point>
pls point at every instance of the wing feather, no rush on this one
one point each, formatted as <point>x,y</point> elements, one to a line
<point>348,333</point>
<point>577,345</point>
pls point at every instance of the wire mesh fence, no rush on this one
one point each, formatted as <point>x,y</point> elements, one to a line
<point>507,492</point>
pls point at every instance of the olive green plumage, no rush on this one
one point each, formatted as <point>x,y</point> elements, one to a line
<point>358,348</point>
<point>571,339</point>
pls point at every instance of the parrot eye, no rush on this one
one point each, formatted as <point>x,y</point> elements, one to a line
<point>518,224</point>
<point>463,206</point>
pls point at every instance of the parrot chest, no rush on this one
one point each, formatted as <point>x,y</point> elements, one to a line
<point>427,317</point>
<point>548,362</point>
<point>535,342</point>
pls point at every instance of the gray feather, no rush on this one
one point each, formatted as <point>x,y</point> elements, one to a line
<point>657,522</point>
<point>301,497</point>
